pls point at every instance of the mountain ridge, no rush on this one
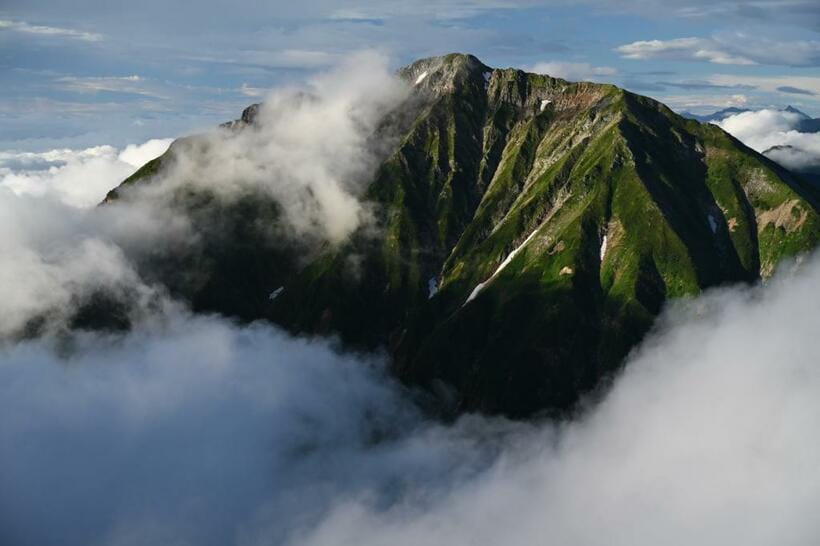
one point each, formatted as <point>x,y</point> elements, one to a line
<point>531,229</point>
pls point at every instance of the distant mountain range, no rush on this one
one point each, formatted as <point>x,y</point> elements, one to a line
<point>530,230</point>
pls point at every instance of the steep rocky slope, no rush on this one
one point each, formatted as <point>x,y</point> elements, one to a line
<point>530,229</point>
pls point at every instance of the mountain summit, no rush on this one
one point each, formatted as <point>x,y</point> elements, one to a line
<point>529,229</point>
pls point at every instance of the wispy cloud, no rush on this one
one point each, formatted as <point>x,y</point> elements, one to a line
<point>729,49</point>
<point>250,91</point>
<point>810,85</point>
<point>683,49</point>
<point>795,90</point>
<point>134,85</point>
<point>22,26</point>
<point>700,84</point>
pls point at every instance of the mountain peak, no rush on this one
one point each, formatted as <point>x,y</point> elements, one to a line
<point>446,72</point>
<point>791,109</point>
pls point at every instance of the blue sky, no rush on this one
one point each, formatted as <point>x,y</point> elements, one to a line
<point>91,72</point>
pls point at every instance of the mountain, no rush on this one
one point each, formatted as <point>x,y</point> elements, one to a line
<point>715,116</point>
<point>530,230</point>
<point>805,124</point>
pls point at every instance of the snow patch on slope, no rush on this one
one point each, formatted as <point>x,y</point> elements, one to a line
<point>432,287</point>
<point>544,104</point>
<point>421,77</point>
<point>275,294</point>
<point>476,291</point>
<point>480,286</point>
<point>603,248</point>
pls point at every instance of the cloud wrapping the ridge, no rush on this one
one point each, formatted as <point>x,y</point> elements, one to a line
<point>763,129</point>
<point>58,250</point>
<point>313,150</point>
<point>54,258</point>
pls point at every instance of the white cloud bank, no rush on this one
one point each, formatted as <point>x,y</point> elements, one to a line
<point>764,129</point>
<point>79,178</point>
<point>58,250</point>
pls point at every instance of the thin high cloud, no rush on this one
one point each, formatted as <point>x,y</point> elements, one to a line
<point>735,49</point>
<point>774,84</point>
<point>791,90</point>
<point>40,30</point>
<point>133,85</point>
<point>682,49</point>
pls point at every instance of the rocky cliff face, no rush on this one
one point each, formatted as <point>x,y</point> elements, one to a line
<point>529,230</point>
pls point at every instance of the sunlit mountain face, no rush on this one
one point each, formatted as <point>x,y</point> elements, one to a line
<point>301,275</point>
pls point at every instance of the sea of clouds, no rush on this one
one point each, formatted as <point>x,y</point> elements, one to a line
<point>194,430</point>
